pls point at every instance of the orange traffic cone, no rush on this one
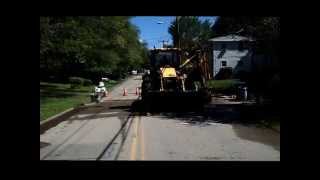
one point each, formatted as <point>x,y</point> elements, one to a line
<point>125,93</point>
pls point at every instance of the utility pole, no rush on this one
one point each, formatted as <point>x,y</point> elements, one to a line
<point>178,35</point>
<point>163,42</point>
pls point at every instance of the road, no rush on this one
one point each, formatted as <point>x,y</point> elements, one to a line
<point>112,131</point>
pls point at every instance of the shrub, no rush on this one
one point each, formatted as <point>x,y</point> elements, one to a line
<point>76,81</point>
<point>112,82</point>
<point>223,86</point>
<point>87,82</point>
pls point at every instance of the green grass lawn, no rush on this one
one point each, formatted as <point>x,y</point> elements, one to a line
<point>222,86</point>
<point>272,122</point>
<point>56,98</point>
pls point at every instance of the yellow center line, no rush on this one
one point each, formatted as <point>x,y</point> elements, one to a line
<point>141,139</point>
<point>138,138</point>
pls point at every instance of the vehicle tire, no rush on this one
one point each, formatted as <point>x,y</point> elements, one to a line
<point>146,86</point>
<point>206,95</point>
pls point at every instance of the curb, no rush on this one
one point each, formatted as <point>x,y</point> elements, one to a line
<point>277,129</point>
<point>56,119</point>
<point>55,116</point>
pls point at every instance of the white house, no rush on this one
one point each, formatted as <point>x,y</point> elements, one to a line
<point>232,53</point>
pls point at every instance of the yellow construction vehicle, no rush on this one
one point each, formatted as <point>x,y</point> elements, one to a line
<point>178,74</point>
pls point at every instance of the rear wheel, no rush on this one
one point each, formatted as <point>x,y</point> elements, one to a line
<point>205,95</point>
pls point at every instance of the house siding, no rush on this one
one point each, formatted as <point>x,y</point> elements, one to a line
<point>232,55</point>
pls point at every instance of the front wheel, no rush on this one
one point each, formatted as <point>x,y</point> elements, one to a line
<point>205,95</point>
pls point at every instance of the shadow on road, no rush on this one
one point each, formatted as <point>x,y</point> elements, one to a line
<point>119,109</point>
<point>43,144</point>
<point>162,104</point>
<point>218,111</point>
<point>244,118</point>
<point>111,108</point>
<point>265,136</point>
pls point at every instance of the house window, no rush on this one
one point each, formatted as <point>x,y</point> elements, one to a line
<point>241,46</point>
<point>223,47</point>
<point>223,63</point>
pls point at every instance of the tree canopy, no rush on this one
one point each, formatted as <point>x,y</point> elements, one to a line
<point>190,32</point>
<point>89,46</point>
<point>266,30</point>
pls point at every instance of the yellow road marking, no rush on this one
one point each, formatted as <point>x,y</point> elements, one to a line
<point>138,138</point>
<point>142,139</point>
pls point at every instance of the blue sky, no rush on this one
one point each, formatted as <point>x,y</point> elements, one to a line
<point>153,33</point>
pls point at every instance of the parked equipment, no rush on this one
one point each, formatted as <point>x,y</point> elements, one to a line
<point>177,73</point>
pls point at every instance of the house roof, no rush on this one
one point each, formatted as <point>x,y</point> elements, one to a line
<point>165,49</point>
<point>230,37</point>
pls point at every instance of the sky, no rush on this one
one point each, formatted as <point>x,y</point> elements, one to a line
<point>153,33</point>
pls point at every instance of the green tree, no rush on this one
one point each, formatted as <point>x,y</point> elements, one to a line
<point>265,30</point>
<point>89,46</point>
<point>189,31</point>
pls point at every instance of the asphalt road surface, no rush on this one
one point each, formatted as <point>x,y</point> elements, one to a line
<point>111,130</point>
